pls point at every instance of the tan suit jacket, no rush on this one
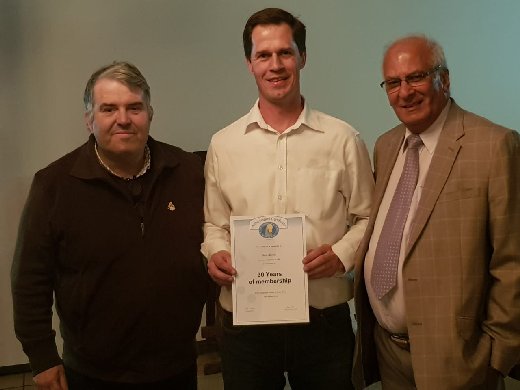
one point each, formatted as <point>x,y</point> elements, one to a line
<point>461,272</point>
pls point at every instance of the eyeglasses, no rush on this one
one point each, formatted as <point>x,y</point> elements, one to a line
<point>413,80</point>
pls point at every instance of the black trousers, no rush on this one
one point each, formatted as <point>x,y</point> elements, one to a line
<point>186,380</point>
<point>316,356</point>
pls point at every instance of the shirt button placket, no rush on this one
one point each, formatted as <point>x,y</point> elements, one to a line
<point>281,174</point>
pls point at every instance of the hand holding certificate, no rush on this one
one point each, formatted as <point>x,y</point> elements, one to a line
<point>270,286</point>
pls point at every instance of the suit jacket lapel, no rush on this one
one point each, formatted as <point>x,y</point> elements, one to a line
<point>442,162</point>
<point>386,155</point>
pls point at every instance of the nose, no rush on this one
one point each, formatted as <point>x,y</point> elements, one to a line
<point>123,119</point>
<point>405,90</point>
<point>276,62</point>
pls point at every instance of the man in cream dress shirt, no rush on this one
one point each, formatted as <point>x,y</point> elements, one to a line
<point>281,158</point>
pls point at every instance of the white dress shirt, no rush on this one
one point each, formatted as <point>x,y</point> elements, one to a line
<point>390,311</point>
<point>318,167</point>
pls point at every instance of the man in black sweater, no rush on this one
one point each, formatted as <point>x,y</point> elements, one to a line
<point>112,230</point>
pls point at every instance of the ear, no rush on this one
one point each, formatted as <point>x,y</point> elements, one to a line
<point>303,57</point>
<point>89,119</point>
<point>445,80</point>
<point>249,65</point>
<point>150,113</point>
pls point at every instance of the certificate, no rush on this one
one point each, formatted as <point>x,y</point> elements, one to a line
<point>270,286</point>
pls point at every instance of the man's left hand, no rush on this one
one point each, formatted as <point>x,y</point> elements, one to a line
<point>322,262</point>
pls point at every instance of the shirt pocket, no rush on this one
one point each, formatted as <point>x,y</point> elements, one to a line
<point>318,192</point>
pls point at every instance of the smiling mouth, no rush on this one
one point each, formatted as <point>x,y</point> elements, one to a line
<point>277,80</point>
<point>410,106</point>
<point>124,133</point>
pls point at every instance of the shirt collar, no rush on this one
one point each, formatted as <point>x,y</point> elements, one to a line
<point>306,120</point>
<point>430,136</point>
<point>144,169</point>
<point>87,165</point>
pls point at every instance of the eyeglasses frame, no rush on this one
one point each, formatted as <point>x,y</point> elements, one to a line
<point>424,75</point>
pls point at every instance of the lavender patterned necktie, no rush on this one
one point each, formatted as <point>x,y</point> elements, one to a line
<point>386,258</point>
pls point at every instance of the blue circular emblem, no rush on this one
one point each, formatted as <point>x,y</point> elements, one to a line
<point>268,229</point>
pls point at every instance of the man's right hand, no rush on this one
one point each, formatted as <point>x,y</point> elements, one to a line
<point>51,379</point>
<point>220,269</point>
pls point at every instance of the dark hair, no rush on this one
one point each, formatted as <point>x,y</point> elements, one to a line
<point>123,72</point>
<point>273,16</point>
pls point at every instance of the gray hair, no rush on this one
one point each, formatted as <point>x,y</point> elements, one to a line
<point>436,50</point>
<point>122,71</point>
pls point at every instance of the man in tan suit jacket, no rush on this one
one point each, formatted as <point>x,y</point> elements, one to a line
<point>452,320</point>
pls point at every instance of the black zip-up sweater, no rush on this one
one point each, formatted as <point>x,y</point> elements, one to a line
<point>123,260</point>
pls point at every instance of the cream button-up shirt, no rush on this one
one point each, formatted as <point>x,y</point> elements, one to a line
<point>318,167</point>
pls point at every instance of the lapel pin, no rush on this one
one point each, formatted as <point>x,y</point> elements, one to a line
<point>171,206</point>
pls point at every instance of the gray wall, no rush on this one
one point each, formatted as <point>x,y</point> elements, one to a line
<point>191,53</point>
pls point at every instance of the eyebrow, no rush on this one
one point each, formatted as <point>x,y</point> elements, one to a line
<point>406,75</point>
<point>267,51</point>
<point>108,104</point>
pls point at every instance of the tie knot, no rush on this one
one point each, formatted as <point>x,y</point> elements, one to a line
<point>414,141</point>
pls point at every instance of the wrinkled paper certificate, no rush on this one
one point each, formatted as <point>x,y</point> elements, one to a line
<point>270,286</point>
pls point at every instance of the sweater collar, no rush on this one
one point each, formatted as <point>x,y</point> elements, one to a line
<point>87,165</point>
